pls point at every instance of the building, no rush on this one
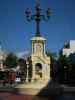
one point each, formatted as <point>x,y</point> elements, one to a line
<point>69,48</point>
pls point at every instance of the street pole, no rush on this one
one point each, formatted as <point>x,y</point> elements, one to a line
<point>27,76</point>
<point>38,16</point>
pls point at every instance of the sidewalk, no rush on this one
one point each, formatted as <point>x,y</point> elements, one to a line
<point>34,88</point>
<point>68,89</point>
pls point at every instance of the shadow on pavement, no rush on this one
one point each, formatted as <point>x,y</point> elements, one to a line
<point>52,88</point>
<point>52,91</point>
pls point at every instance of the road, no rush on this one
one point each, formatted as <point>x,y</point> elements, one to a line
<point>14,96</point>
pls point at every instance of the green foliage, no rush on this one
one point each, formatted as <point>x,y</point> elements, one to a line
<point>11,60</point>
<point>23,68</point>
<point>2,76</point>
<point>22,63</point>
<point>66,45</point>
<point>72,69</point>
<point>53,67</point>
<point>64,67</point>
<point>64,61</point>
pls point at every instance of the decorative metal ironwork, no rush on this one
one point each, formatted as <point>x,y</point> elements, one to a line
<point>37,16</point>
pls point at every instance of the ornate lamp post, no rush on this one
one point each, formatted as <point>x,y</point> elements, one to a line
<point>27,76</point>
<point>37,16</point>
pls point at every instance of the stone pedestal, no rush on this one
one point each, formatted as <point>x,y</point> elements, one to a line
<point>40,61</point>
<point>32,88</point>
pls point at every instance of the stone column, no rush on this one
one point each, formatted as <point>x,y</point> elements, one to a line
<point>44,72</point>
<point>33,73</point>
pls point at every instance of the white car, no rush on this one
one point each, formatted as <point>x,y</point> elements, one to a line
<point>18,79</point>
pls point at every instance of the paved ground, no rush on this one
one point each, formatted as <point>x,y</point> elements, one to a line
<point>16,96</point>
<point>12,96</point>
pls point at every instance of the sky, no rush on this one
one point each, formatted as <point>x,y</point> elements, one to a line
<point>16,32</point>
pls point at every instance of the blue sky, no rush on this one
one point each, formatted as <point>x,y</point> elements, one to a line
<point>15,31</point>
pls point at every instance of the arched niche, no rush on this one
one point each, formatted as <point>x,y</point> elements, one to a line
<point>38,70</point>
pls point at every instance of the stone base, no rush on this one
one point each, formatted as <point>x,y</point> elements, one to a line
<point>31,88</point>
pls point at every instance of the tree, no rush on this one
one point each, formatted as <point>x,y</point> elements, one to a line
<point>53,65</point>
<point>22,64</point>
<point>23,69</point>
<point>64,68</point>
<point>66,45</point>
<point>72,69</point>
<point>11,60</point>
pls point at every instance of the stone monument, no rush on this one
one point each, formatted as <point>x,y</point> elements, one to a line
<point>40,61</point>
